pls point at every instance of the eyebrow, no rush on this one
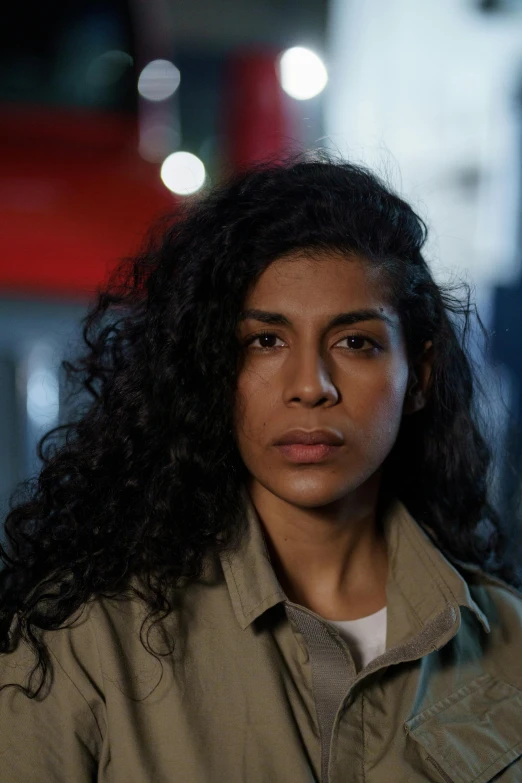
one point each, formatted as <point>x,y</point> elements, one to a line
<point>343,319</point>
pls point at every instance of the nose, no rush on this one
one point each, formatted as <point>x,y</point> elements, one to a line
<point>308,381</point>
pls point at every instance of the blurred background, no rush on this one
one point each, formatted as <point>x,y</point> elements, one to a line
<point>113,113</point>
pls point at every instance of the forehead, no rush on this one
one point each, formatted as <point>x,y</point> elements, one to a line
<point>320,281</point>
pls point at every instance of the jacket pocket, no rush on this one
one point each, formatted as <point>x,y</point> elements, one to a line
<point>473,734</point>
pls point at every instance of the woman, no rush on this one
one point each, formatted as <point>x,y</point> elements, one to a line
<point>236,565</point>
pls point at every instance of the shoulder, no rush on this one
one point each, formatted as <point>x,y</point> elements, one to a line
<point>501,604</point>
<point>494,592</point>
<point>59,733</point>
<point>103,647</point>
<point>80,648</point>
<point>493,595</point>
<point>72,646</point>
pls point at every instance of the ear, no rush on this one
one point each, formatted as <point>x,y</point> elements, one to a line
<point>419,381</point>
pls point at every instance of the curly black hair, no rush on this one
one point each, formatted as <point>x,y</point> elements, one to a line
<point>145,482</point>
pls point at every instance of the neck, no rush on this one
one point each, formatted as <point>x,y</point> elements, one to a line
<point>331,559</point>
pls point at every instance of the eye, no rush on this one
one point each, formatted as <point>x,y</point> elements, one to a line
<point>266,340</point>
<point>356,342</point>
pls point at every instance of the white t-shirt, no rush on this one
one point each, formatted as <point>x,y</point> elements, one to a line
<point>365,636</point>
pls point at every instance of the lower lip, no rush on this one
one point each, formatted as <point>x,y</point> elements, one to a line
<point>299,452</point>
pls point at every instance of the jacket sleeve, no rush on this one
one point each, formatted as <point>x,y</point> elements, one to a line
<point>56,737</point>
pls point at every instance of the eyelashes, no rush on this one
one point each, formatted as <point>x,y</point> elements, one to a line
<point>353,336</point>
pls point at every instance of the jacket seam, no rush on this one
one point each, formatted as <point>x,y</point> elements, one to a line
<point>489,579</point>
<point>75,686</point>
<point>484,771</point>
<point>98,651</point>
<point>266,598</point>
<point>364,756</point>
<point>469,690</point>
<point>517,745</point>
<point>439,578</point>
<point>248,613</point>
<point>407,600</point>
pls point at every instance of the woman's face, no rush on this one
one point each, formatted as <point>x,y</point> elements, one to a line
<point>309,374</point>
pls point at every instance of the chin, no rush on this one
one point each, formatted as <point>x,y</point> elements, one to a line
<point>310,491</point>
<point>320,485</point>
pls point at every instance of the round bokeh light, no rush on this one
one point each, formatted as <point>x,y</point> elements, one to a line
<point>158,80</point>
<point>302,73</point>
<point>183,173</point>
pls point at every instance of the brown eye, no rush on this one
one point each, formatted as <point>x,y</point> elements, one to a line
<point>266,341</point>
<point>355,343</point>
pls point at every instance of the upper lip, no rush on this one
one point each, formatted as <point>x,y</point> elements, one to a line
<point>311,437</point>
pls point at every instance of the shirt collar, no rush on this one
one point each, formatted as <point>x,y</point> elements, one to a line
<point>420,577</point>
<point>419,574</point>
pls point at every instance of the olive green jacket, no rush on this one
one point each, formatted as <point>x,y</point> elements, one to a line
<point>257,689</point>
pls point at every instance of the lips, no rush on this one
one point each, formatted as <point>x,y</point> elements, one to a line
<point>310,438</point>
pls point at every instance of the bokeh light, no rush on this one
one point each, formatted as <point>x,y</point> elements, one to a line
<point>158,80</point>
<point>302,73</point>
<point>42,390</point>
<point>183,173</point>
<point>109,67</point>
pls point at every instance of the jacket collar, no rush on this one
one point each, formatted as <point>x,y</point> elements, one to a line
<point>421,580</point>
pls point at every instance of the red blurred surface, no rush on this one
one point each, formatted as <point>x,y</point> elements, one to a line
<point>75,197</point>
<point>256,118</point>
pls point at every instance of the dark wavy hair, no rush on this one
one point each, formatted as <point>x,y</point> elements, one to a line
<point>145,482</point>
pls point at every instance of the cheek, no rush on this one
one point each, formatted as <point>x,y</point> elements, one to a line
<point>379,409</point>
<point>255,401</point>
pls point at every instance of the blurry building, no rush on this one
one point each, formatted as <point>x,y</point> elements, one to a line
<point>95,97</point>
<point>428,94</point>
